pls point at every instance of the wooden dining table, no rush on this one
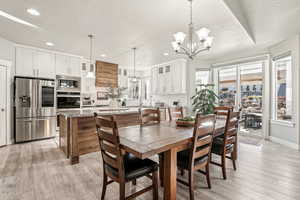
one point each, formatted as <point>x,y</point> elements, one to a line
<point>167,138</point>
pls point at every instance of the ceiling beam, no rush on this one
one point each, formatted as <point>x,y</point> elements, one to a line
<point>238,12</point>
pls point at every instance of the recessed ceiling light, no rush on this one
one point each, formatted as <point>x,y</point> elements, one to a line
<point>15,19</point>
<point>49,44</point>
<point>103,55</point>
<point>166,54</point>
<point>33,11</point>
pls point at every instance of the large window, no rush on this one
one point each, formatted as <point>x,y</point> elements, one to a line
<point>282,68</point>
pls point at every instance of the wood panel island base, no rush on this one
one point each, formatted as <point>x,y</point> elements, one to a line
<point>78,135</point>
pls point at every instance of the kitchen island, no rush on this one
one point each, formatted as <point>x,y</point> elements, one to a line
<point>77,132</point>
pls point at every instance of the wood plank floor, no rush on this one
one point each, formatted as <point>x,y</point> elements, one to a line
<point>40,171</point>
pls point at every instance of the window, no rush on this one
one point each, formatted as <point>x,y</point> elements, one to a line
<point>202,78</point>
<point>282,69</point>
<point>227,86</point>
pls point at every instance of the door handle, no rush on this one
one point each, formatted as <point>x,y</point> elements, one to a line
<point>2,109</point>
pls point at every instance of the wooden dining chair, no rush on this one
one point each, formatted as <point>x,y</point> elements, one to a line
<point>128,119</point>
<point>227,144</point>
<point>175,113</point>
<point>198,157</point>
<point>222,111</point>
<point>150,116</point>
<point>122,167</point>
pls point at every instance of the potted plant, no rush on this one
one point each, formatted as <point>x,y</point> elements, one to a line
<point>205,99</point>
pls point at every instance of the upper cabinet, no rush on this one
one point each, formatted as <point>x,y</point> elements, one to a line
<point>24,62</point>
<point>67,65</point>
<point>34,63</point>
<point>44,63</point>
<point>39,63</point>
<point>169,78</point>
<point>123,78</point>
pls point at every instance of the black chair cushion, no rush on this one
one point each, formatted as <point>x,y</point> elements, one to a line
<point>134,167</point>
<point>218,144</point>
<point>183,159</point>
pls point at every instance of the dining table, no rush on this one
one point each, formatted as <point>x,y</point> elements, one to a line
<point>164,138</point>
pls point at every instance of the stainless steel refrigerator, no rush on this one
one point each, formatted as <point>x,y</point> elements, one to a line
<point>35,112</point>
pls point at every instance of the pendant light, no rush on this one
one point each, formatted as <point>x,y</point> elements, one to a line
<point>134,78</point>
<point>91,74</point>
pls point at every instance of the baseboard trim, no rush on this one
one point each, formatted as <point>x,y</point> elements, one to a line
<point>284,142</point>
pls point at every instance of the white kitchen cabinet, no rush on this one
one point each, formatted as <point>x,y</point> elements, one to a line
<point>44,63</point>
<point>62,64</point>
<point>169,78</point>
<point>34,63</point>
<point>24,62</point>
<point>154,80</point>
<point>123,78</point>
<point>75,66</point>
<point>67,65</point>
<point>161,80</point>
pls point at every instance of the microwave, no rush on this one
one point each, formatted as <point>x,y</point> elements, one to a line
<point>68,84</point>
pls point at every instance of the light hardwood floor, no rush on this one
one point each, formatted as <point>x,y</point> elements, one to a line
<point>40,171</point>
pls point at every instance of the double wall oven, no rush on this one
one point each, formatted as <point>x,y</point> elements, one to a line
<point>35,108</point>
<point>68,92</point>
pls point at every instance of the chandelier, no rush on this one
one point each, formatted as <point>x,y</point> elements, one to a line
<point>197,41</point>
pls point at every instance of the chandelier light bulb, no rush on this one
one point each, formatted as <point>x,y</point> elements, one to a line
<point>175,46</point>
<point>208,42</point>
<point>179,37</point>
<point>203,34</point>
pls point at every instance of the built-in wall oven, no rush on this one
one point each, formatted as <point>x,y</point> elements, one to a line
<point>68,92</point>
<point>68,100</point>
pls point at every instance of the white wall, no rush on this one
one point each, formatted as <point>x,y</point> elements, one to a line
<point>289,133</point>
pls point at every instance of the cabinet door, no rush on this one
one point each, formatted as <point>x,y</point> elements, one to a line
<point>62,65</point>
<point>168,79</point>
<point>154,80</point>
<point>44,63</point>
<point>161,80</point>
<point>75,66</point>
<point>177,81</point>
<point>24,62</point>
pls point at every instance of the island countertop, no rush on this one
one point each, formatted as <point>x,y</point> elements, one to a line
<point>100,111</point>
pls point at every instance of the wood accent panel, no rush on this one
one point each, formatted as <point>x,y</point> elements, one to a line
<point>64,135</point>
<point>106,74</point>
<point>83,137</point>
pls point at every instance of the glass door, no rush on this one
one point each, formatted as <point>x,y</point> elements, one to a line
<point>227,86</point>
<point>251,98</point>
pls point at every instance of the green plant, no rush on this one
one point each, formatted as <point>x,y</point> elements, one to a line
<point>205,99</point>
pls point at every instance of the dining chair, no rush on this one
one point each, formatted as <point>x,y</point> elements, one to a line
<point>175,113</point>
<point>227,144</point>
<point>128,119</point>
<point>150,116</point>
<point>122,167</point>
<point>198,157</point>
<point>222,111</point>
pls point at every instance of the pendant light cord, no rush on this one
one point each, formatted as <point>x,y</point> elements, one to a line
<point>91,47</point>
<point>134,61</point>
